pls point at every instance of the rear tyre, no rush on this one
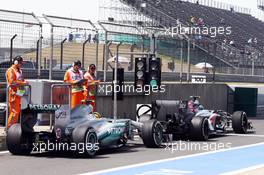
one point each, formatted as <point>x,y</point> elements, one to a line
<point>199,129</point>
<point>18,142</point>
<point>240,122</point>
<point>87,138</point>
<point>152,134</point>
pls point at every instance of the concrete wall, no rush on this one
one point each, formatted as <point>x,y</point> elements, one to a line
<point>213,96</point>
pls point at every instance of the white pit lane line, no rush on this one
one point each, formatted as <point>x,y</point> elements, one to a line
<point>4,152</point>
<point>169,159</point>
<point>244,170</point>
<point>245,135</point>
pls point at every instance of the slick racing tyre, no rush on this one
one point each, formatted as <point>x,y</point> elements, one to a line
<point>142,119</point>
<point>152,134</point>
<point>18,142</point>
<point>199,128</point>
<point>86,137</point>
<point>239,122</point>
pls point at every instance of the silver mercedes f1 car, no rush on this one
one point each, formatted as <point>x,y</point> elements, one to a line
<point>77,126</point>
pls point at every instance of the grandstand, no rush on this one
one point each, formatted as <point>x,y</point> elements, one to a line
<point>132,23</point>
<point>244,27</point>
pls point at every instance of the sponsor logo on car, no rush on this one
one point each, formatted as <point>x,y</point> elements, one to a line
<point>45,107</point>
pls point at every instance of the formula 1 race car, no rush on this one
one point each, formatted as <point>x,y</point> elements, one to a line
<point>223,122</point>
<point>197,124</point>
<point>75,127</point>
<point>175,119</point>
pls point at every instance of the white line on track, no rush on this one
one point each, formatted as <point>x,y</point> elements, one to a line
<point>245,135</point>
<point>244,170</point>
<point>4,152</point>
<point>170,159</point>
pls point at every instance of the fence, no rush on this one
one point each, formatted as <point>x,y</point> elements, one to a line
<point>20,33</point>
<point>70,39</point>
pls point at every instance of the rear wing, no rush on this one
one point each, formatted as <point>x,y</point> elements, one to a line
<point>43,108</point>
<point>168,106</point>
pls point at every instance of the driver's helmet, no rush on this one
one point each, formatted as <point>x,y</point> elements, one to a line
<point>201,107</point>
<point>97,115</point>
<point>196,103</point>
<point>190,106</point>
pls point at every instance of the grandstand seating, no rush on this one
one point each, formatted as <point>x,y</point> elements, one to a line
<point>244,26</point>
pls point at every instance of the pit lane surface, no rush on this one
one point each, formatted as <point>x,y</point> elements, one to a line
<point>65,163</point>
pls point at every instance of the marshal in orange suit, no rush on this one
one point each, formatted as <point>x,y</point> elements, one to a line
<point>15,81</point>
<point>91,85</point>
<point>74,76</point>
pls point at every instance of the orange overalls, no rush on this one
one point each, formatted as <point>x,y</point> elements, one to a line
<point>77,90</point>
<point>90,89</point>
<point>14,77</point>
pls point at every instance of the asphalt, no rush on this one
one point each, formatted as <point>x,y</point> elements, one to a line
<point>50,163</point>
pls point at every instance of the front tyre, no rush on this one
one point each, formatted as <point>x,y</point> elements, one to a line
<point>87,138</point>
<point>142,119</point>
<point>240,122</point>
<point>152,134</point>
<point>199,128</point>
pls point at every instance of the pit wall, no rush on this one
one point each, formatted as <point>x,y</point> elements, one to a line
<point>213,96</point>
